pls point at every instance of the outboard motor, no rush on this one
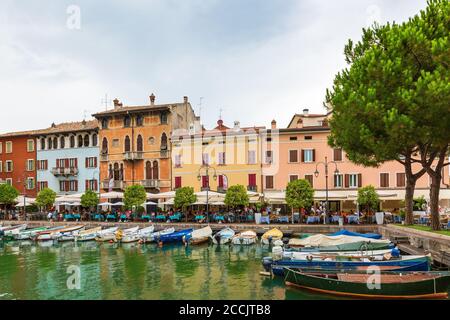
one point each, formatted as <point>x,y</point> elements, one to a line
<point>270,240</point>
<point>395,253</point>
<point>217,237</point>
<point>277,253</point>
<point>267,264</point>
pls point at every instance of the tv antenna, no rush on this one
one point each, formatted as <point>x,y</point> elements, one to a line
<point>105,101</point>
<point>200,107</point>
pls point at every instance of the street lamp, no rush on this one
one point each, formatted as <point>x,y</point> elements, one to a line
<point>207,167</point>
<point>316,174</point>
<point>24,195</point>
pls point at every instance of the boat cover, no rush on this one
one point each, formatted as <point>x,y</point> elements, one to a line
<point>356,234</point>
<point>321,240</point>
<point>202,233</point>
<point>274,233</point>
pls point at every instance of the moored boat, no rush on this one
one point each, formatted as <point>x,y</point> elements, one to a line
<point>345,232</point>
<point>151,237</point>
<point>199,236</point>
<point>28,233</point>
<point>409,285</point>
<point>54,234</point>
<point>271,236</point>
<point>87,235</point>
<point>223,236</point>
<point>8,233</point>
<point>178,236</point>
<point>245,238</point>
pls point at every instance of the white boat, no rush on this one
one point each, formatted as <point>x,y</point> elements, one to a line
<point>107,231</point>
<point>224,236</point>
<point>245,238</point>
<point>130,230</point>
<point>28,233</point>
<point>152,236</point>
<point>106,237</point>
<point>146,231</point>
<point>321,240</point>
<point>200,235</point>
<point>9,232</point>
<point>323,255</point>
<point>130,237</point>
<point>55,234</point>
<point>87,235</point>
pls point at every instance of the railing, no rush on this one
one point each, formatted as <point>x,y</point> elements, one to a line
<point>132,156</point>
<point>152,183</point>
<point>117,184</point>
<point>103,157</point>
<point>252,188</point>
<point>164,154</point>
<point>206,189</point>
<point>72,171</point>
<point>221,190</point>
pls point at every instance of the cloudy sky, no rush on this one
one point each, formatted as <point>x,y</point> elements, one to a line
<point>257,60</point>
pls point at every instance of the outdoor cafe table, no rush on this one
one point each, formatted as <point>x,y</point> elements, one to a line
<point>424,220</point>
<point>265,219</point>
<point>283,219</point>
<point>198,218</point>
<point>219,218</point>
<point>175,217</point>
<point>334,218</point>
<point>160,217</point>
<point>110,216</point>
<point>312,219</point>
<point>146,217</point>
<point>353,219</point>
<point>98,217</point>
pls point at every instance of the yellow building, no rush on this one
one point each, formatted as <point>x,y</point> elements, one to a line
<point>231,155</point>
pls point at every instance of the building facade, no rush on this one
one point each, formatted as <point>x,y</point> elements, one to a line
<point>232,156</point>
<point>68,158</point>
<point>134,144</point>
<point>296,152</point>
<point>18,162</point>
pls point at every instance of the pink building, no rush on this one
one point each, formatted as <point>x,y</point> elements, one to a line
<point>298,150</point>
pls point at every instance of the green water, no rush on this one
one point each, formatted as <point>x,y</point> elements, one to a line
<point>133,271</point>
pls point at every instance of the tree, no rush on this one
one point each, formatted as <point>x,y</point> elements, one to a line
<point>134,196</point>
<point>299,194</point>
<point>8,194</point>
<point>392,102</point>
<point>46,198</point>
<point>419,203</point>
<point>368,197</point>
<point>89,199</point>
<point>184,197</point>
<point>236,196</point>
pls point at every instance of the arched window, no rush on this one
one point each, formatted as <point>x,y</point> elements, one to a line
<point>50,144</point>
<point>127,144</point>
<point>94,140</point>
<point>80,141</point>
<point>104,123</point>
<point>127,121</point>
<point>55,143</point>
<point>155,170</point>
<point>42,144</point>
<point>164,141</point>
<point>86,140</point>
<point>148,170</point>
<point>62,142</point>
<point>72,141</point>
<point>121,176</point>
<point>140,144</point>
<point>139,120</point>
<point>116,172</point>
<point>111,172</point>
<point>105,146</point>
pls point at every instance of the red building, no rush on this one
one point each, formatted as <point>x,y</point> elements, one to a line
<point>18,161</point>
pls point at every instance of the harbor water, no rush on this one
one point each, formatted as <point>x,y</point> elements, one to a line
<point>50,270</point>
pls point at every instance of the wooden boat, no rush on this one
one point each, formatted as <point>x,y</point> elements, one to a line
<point>57,234</point>
<point>146,231</point>
<point>155,235</point>
<point>178,236</point>
<point>223,236</point>
<point>48,234</point>
<point>271,236</point>
<point>87,235</point>
<point>200,236</point>
<point>340,253</point>
<point>9,232</point>
<point>28,233</point>
<point>339,263</point>
<point>409,285</point>
<point>245,238</point>
<point>345,232</point>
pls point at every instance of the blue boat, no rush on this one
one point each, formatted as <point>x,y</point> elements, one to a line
<point>345,232</point>
<point>177,236</point>
<point>405,263</point>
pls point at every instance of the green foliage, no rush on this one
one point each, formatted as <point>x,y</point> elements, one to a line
<point>419,203</point>
<point>184,197</point>
<point>134,196</point>
<point>89,199</point>
<point>368,197</point>
<point>299,194</point>
<point>46,198</point>
<point>236,196</point>
<point>8,194</point>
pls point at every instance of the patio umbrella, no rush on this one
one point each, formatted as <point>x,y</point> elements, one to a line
<point>218,203</point>
<point>118,204</point>
<point>112,195</point>
<point>149,203</point>
<point>75,204</point>
<point>105,204</point>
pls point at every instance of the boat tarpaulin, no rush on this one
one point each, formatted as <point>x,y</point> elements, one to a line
<point>356,234</point>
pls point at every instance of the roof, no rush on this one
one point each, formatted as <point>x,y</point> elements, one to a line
<point>69,127</point>
<point>313,115</point>
<point>18,133</point>
<point>122,110</point>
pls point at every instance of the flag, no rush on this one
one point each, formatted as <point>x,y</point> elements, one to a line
<point>225,182</point>
<point>111,184</point>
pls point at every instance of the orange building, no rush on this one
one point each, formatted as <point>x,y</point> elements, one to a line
<point>18,161</point>
<point>135,146</point>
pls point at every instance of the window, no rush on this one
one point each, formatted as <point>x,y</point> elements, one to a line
<point>42,144</point>
<point>205,159</point>
<point>268,139</point>
<point>293,177</point>
<point>105,146</point>
<point>86,141</point>
<point>164,141</point>
<point>178,161</point>
<point>251,157</point>
<point>401,179</point>
<point>222,158</point>
<point>9,166</point>
<point>140,144</point>
<point>163,117</point>
<point>94,140</point>
<point>353,180</point>
<point>62,142</point>
<point>310,179</point>
<point>292,138</point>
<point>30,145</point>
<point>91,162</point>
<point>127,144</point>
<point>1,166</point>
<point>337,154</point>
<point>91,185</point>
<point>67,163</point>
<point>308,137</point>
<point>293,156</point>
<point>205,181</point>
<point>269,157</point>
<point>50,144</point>
<point>252,180</point>
<point>42,185</point>
<point>151,141</point>
<point>8,147</point>
<point>308,155</point>
<point>30,165</point>
<point>55,143</point>
<point>42,165</point>
<point>105,123</point>
<point>155,170</point>
<point>127,121</point>
<point>177,182</point>
<point>72,141</point>
<point>139,121</point>
<point>68,186</point>
<point>9,181</point>
<point>269,182</point>
<point>30,184</point>
<point>384,180</point>
<point>338,180</point>
<point>1,147</point>
<point>80,141</point>
<point>115,143</point>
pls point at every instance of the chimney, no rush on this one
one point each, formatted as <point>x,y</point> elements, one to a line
<point>116,103</point>
<point>152,99</point>
<point>186,99</point>
<point>274,124</point>
<point>237,126</point>
<point>197,125</point>
<point>305,112</point>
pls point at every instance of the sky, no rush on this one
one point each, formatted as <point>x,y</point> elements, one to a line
<point>248,60</point>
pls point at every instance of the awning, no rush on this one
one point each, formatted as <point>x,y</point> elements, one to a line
<point>112,195</point>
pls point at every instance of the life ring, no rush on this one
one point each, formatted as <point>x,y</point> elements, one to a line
<point>309,258</point>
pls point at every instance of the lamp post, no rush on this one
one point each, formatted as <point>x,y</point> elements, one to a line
<point>24,195</point>
<point>207,167</point>
<point>316,174</point>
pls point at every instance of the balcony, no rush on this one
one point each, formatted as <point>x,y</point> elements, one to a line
<point>150,183</point>
<point>72,171</point>
<point>252,188</point>
<point>133,156</point>
<point>205,189</point>
<point>164,154</point>
<point>104,157</point>
<point>221,190</point>
<point>117,185</point>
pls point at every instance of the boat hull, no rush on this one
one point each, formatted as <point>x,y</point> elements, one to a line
<point>174,237</point>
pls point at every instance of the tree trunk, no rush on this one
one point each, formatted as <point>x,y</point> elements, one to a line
<point>409,199</point>
<point>434,200</point>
